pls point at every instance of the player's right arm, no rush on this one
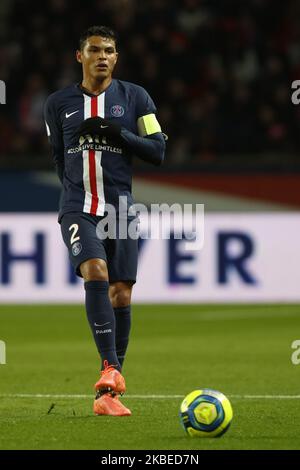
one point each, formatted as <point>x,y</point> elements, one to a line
<point>55,135</point>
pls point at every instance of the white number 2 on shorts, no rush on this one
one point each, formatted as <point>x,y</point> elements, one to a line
<point>75,228</point>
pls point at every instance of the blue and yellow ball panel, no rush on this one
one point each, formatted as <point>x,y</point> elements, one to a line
<point>205,413</point>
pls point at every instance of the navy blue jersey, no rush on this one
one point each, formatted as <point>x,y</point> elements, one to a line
<point>94,171</point>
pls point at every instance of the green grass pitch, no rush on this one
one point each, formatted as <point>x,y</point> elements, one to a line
<point>244,351</point>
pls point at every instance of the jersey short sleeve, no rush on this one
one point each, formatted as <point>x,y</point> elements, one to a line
<point>144,103</point>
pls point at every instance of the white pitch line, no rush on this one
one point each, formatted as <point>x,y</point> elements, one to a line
<point>242,397</point>
<point>267,397</point>
<point>38,395</point>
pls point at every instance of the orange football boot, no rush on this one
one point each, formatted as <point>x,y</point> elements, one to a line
<point>111,380</point>
<point>109,404</point>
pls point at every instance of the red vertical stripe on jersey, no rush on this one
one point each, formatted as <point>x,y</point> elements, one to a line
<point>92,163</point>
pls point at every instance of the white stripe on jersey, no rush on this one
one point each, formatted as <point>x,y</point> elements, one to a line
<point>85,156</point>
<point>98,156</point>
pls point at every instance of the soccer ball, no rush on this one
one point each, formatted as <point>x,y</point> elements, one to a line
<point>205,413</point>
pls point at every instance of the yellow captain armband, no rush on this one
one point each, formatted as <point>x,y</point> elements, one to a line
<point>148,125</point>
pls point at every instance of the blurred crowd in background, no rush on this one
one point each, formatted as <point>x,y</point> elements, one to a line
<point>219,71</point>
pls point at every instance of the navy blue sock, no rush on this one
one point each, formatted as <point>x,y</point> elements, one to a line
<point>102,320</point>
<point>123,323</point>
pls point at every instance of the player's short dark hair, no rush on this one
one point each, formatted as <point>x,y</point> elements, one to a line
<point>102,31</point>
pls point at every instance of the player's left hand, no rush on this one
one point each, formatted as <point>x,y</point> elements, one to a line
<point>99,126</point>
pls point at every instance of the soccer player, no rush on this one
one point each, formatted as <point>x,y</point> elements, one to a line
<point>95,128</point>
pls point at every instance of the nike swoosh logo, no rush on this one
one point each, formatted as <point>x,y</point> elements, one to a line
<point>103,127</point>
<point>96,324</point>
<point>71,114</point>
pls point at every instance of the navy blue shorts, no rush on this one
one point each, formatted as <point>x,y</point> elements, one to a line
<point>81,236</point>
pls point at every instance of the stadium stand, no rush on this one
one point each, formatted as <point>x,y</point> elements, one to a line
<point>220,73</point>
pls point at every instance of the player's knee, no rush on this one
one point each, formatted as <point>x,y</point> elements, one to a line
<point>121,297</point>
<point>94,270</point>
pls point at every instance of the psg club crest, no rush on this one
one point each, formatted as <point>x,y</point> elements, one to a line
<point>117,110</point>
<point>76,248</point>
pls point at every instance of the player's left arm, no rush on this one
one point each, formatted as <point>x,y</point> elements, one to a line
<point>150,143</point>
<point>149,147</point>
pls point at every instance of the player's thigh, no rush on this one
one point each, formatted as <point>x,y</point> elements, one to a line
<point>80,237</point>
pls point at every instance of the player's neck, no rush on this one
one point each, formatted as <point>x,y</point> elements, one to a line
<point>95,87</point>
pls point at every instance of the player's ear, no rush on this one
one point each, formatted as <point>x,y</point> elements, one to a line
<point>78,56</point>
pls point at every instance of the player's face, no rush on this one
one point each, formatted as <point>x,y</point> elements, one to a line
<point>98,57</point>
